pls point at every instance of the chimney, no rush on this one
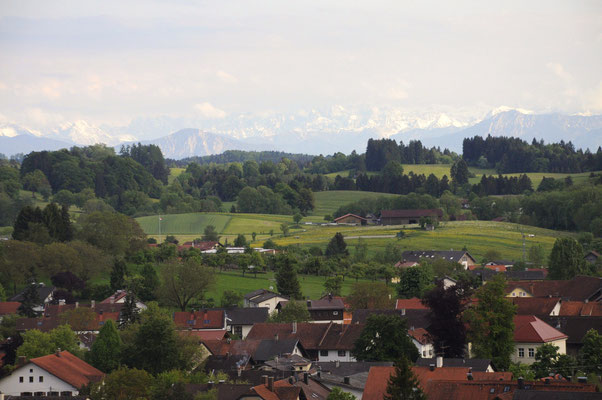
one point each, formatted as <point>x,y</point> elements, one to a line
<point>582,379</point>
<point>77,304</point>
<point>58,352</point>
<point>112,299</point>
<point>439,360</point>
<point>308,303</point>
<point>61,302</point>
<point>431,367</point>
<point>346,380</point>
<point>306,378</point>
<point>319,374</point>
<point>521,382</point>
<point>271,383</point>
<point>294,326</point>
<point>92,304</point>
<point>210,385</point>
<point>403,311</point>
<point>469,376</point>
<point>264,380</point>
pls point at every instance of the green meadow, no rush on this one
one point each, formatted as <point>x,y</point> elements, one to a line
<point>326,203</point>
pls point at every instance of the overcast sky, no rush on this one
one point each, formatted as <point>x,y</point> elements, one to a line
<point>111,61</point>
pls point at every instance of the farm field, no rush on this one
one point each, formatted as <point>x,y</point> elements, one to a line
<point>326,203</point>
<point>477,236</point>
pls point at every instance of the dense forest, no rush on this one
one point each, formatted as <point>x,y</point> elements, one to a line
<point>240,156</point>
<point>508,155</point>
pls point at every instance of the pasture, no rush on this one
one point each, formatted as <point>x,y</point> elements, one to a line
<point>326,203</point>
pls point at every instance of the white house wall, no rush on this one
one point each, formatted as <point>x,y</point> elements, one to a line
<point>10,384</point>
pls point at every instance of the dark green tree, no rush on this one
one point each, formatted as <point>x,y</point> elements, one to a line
<point>413,282</point>
<point>129,311</point>
<point>333,285</point>
<point>210,234</point>
<point>185,281</point>
<point>118,274</point>
<point>149,284</point>
<point>231,298</point>
<point>106,349</point>
<point>385,338</point>
<point>293,311</point>
<point>566,259</point>
<point>31,300</point>
<point>403,385</point>
<point>337,246</point>
<point>491,323</point>
<point>546,357</point>
<point>590,354</point>
<point>240,241</point>
<point>459,172</point>
<point>337,394</point>
<point>287,281</point>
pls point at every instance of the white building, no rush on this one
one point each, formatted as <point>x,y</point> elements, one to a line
<point>56,374</point>
<point>263,298</point>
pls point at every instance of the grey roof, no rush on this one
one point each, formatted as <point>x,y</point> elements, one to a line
<point>477,364</point>
<point>575,327</point>
<point>246,316</point>
<point>225,391</point>
<point>484,273</point>
<point>226,363</point>
<point>415,318</point>
<point>554,395</point>
<point>287,363</point>
<point>326,303</point>
<point>525,275</point>
<point>270,348</point>
<point>449,255</point>
<point>43,293</point>
<point>260,295</point>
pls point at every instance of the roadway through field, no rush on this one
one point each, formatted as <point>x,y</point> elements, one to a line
<point>370,237</point>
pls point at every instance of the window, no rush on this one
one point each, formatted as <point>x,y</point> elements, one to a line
<point>31,370</point>
<point>531,353</point>
<point>53,393</point>
<point>190,322</point>
<point>342,353</point>
<point>522,294</point>
<point>238,331</point>
<point>41,379</point>
<point>324,353</point>
<point>513,294</point>
<point>20,379</point>
<point>521,352</point>
<point>335,313</point>
<point>424,353</point>
<point>31,379</point>
<point>39,394</point>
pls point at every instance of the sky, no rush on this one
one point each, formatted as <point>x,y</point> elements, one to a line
<point>109,62</point>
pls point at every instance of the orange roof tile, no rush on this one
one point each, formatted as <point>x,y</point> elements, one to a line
<point>530,329</point>
<point>580,309</point>
<point>204,319</point>
<point>69,368</point>
<point>9,307</point>
<point>410,304</point>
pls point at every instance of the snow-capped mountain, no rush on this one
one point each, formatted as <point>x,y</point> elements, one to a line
<point>323,131</point>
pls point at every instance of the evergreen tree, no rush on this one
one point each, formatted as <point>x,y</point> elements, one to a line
<point>129,311</point>
<point>118,274</point>
<point>491,323</point>
<point>566,259</point>
<point>403,385</point>
<point>30,300</point>
<point>459,172</point>
<point>293,311</point>
<point>287,281</point>
<point>106,349</point>
<point>2,293</point>
<point>337,246</point>
<point>590,354</point>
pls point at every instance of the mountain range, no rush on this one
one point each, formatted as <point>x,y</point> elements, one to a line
<point>310,132</point>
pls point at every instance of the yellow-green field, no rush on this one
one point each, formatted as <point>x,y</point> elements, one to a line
<point>326,203</point>
<point>174,173</point>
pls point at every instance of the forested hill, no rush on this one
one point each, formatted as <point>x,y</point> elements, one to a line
<point>241,156</point>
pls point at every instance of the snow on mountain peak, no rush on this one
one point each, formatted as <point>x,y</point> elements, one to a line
<point>503,109</point>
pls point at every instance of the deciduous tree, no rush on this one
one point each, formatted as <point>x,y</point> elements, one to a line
<point>287,281</point>
<point>293,311</point>
<point>185,281</point>
<point>374,295</point>
<point>566,259</point>
<point>106,349</point>
<point>384,338</point>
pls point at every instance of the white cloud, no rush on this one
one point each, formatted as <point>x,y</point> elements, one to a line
<point>226,77</point>
<point>208,110</point>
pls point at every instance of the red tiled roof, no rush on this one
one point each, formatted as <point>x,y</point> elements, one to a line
<point>411,213</point>
<point>410,304</point>
<point>282,391</point>
<point>69,368</point>
<point>497,268</point>
<point>378,377</point>
<point>9,307</point>
<point>420,335</point>
<point>535,305</point>
<point>115,297</point>
<point>205,335</point>
<point>234,347</point>
<point>530,329</point>
<point>579,288</point>
<point>204,319</point>
<point>405,264</point>
<point>580,309</point>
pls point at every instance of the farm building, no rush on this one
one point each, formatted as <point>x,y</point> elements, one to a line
<point>461,257</point>
<point>351,219</point>
<point>405,217</point>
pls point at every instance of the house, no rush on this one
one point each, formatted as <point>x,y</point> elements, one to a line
<point>224,391</point>
<point>580,309</point>
<point>405,217</point>
<point>460,257</point>
<point>200,320</point>
<point>269,349</point>
<point>326,309</point>
<point>541,306</point>
<point>351,219</point>
<point>423,341</point>
<point>493,267</point>
<point>46,324</point>
<point>416,318</point>
<point>321,342</point>
<point>372,219</point>
<point>592,257</point>
<point>272,390</point>
<point>376,385</point>
<point>530,333</point>
<point>263,298</point>
<point>476,364</point>
<point>311,389</point>
<point>410,304</point>
<point>575,327</point>
<point>288,362</point>
<point>201,245</point>
<point>580,288</point>
<point>530,274</point>
<point>239,321</point>
<point>56,374</point>
<point>448,282</point>
<point>119,298</point>
<point>45,296</point>
<point>350,377</point>
<point>506,263</point>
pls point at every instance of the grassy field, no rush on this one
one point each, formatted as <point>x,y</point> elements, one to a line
<point>173,174</point>
<point>188,224</point>
<point>477,236</point>
<point>329,201</point>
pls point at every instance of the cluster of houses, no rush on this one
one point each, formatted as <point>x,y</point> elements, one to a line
<point>392,217</point>
<point>306,360</point>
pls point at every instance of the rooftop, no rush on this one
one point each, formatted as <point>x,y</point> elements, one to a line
<point>530,329</point>
<point>69,368</point>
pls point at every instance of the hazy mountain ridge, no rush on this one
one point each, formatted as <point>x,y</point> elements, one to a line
<point>315,132</point>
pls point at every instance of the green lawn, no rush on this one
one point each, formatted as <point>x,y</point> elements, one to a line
<point>311,286</point>
<point>187,224</point>
<point>326,203</point>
